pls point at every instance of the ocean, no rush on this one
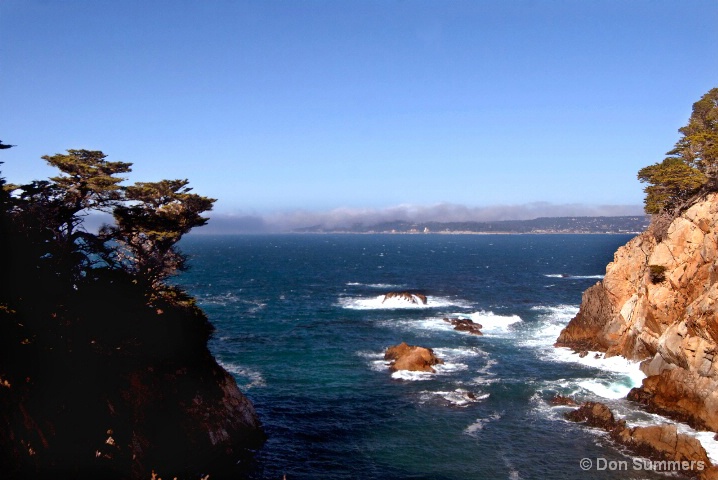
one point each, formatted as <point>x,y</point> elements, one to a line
<point>301,324</point>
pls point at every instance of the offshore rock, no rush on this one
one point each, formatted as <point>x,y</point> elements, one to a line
<point>411,357</point>
<point>465,325</point>
<point>658,303</point>
<point>561,400</point>
<point>410,297</point>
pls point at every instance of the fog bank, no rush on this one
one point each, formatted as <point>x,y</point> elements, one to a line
<point>277,222</point>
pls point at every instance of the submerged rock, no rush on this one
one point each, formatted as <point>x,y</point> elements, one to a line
<point>412,358</point>
<point>465,325</point>
<point>562,400</point>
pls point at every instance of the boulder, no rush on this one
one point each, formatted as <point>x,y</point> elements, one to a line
<point>411,357</point>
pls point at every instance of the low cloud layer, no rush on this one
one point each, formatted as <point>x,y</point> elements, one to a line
<point>445,212</point>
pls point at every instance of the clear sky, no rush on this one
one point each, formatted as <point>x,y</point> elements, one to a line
<point>278,106</point>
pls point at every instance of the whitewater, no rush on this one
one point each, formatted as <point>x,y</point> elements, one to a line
<point>302,324</point>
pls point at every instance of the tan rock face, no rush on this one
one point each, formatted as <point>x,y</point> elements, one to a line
<point>670,322</point>
<point>411,357</point>
<point>659,442</point>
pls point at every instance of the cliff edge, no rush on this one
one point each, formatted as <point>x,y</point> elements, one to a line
<point>658,303</point>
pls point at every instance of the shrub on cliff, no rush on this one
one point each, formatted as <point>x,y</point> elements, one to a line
<point>691,167</point>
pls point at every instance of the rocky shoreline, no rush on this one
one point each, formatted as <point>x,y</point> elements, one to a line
<point>672,452</point>
<point>658,304</point>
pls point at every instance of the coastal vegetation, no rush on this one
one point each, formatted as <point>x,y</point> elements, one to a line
<point>690,169</point>
<point>104,363</point>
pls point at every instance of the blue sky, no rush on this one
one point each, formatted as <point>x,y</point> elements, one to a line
<point>275,107</point>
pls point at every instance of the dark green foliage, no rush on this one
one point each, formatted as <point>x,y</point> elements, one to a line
<point>54,271</point>
<point>698,147</point>
<point>671,183</point>
<point>147,229</point>
<point>691,168</point>
<point>657,273</point>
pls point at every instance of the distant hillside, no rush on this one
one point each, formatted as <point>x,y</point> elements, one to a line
<point>628,224</point>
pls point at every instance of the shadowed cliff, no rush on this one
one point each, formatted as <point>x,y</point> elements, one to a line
<point>104,367</point>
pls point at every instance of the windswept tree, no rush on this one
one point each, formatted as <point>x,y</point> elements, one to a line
<point>691,167</point>
<point>698,146</point>
<point>149,227</point>
<point>43,220</point>
<point>671,184</point>
<point>48,215</point>
<point>87,182</point>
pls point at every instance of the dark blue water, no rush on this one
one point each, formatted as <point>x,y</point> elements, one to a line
<point>301,325</point>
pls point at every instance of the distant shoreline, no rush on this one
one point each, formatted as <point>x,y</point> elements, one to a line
<point>620,225</point>
<point>451,233</point>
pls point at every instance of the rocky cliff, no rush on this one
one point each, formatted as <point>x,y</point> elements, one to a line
<point>88,391</point>
<point>658,303</point>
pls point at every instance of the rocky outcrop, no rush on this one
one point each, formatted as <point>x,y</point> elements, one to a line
<point>411,357</point>
<point>410,297</point>
<point>658,303</point>
<point>658,442</point>
<point>119,395</point>
<point>465,325</point>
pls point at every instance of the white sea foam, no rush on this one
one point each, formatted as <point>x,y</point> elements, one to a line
<point>616,364</point>
<point>644,419</point>
<point>606,388</point>
<point>458,397</point>
<point>376,362</point>
<point>381,303</point>
<point>459,352</point>
<point>476,427</point>
<point>383,286</point>
<point>246,377</point>
<point>370,355</point>
<point>486,376</point>
<point>446,368</point>
<point>490,322</point>
<point>450,367</point>
<point>411,376</point>
<point>708,441</point>
<point>551,321</point>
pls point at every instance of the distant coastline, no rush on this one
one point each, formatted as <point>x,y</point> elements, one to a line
<point>545,225</point>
